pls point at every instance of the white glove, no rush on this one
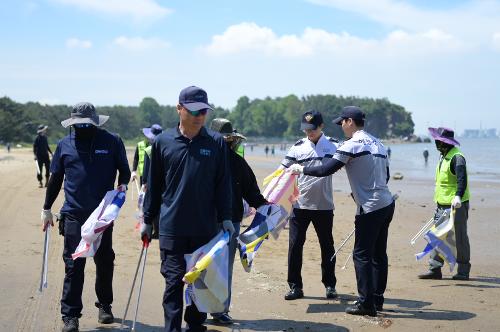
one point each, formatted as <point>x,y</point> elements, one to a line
<point>47,218</point>
<point>227,225</point>
<point>456,203</point>
<point>144,188</point>
<point>296,169</point>
<point>133,175</point>
<point>146,230</point>
<point>122,187</point>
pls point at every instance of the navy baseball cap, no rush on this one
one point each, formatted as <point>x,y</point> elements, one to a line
<point>311,120</point>
<point>350,112</point>
<point>194,99</point>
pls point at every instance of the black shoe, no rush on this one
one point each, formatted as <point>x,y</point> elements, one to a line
<point>294,294</point>
<point>70,324</point>
<point>331,293</point>
<point>223,318</point>
<point>431,274</point>
<point>358,309</point>
<point>40,185</point>
<point>105,314</point>
<point>459,276</point>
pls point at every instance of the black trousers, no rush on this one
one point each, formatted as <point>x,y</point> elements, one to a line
<point>43,162</point>
<point>461,238</point>
<point>370,254</point>
<point>322,221</point>
<point>173,268</point>
<point>71,301</point>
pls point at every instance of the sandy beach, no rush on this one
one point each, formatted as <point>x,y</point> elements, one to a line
<point>257,304</point>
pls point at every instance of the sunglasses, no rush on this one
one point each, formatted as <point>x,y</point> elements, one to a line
<point>198,113</point>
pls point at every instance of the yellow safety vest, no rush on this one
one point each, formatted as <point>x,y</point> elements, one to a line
<point>141,147</point>
<point>446,181</point>
<point>241,150</point>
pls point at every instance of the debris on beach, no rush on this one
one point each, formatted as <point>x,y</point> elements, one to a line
<point>398,176</point>
<point>384,322</point>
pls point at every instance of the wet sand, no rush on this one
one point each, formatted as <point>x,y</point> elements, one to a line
<point>258,304</point>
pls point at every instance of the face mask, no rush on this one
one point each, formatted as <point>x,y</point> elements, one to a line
<point>84,130</point>
<point>442,147</point>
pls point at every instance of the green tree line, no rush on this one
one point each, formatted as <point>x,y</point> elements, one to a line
<point>270,117</point>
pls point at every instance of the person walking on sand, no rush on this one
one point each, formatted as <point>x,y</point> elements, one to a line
<point>151,134</point>
<point>451,191</point>
<point>366,162</point>
<point>244,186</point>
<point>189,187</point>
<point>315,204</point>
<point>41,150</point>
<point>266,150</point>
<point>426,155</point>
<point>87,160</point>
<point>140,151</point>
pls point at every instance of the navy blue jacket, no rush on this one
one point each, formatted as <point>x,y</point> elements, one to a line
<point>89,168</point>
<point>189,184</point>
<point>244,186</point>
<point>41,148</point>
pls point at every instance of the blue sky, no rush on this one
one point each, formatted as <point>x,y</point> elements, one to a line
<point>439,59</point>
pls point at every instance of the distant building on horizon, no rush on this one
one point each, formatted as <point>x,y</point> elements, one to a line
<point>480,133</point>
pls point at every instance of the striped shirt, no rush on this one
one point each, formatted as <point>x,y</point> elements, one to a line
<point>366,164</point>
<point>315,193</point>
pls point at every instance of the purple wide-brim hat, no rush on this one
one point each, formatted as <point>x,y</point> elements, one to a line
<point>445,135</point>
<point>152,131</point>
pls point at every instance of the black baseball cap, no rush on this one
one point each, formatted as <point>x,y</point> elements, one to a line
<point>350,112</point>
<point>194,99</point>
<point>311,120</point>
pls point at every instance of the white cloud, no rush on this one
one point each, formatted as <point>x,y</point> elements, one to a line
<point>139,43</point>
<point>473,21</point>
<point>249,37</point>
<point>496,41</point>
<point>78,43</point>
<point>138,10</point>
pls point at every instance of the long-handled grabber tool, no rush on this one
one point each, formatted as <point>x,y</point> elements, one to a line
<point>137,187</point>
<point>343,244</point>
<point>133,284</point>
<point>145,245</point>
<point>428,226</point>
<point>45,258</point>
<point>37,168</point>
<point>424,229</point>
<point>346,261</point>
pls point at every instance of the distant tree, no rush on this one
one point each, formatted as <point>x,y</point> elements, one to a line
<point>270,117</point>
<point>150,111</point>
<point>14,124</point>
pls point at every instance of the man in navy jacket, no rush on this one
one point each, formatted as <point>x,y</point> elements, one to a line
<point>189,186</point>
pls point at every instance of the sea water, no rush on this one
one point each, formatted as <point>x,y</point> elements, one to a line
<point>482,156</point>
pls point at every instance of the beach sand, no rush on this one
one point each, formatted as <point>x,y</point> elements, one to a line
<point>257,303</point>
